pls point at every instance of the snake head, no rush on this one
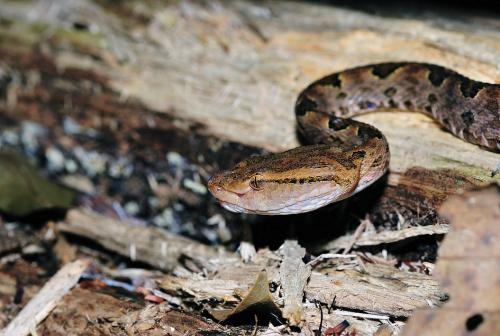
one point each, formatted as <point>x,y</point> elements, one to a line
<point>299,180</point>
<point>231,187</point>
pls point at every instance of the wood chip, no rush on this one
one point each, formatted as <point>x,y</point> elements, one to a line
<point>384,237</point>
<point>293,277</point>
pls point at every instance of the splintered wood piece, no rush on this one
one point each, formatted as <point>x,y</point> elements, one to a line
<point>146,244</point>
<point>293,274</point>
<point>380,289</point>
<point>384,237</point>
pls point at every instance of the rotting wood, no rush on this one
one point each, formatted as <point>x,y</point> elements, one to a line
<point>362,327</point>
<point>45,300</point>
<point>91,312</point>
<point>390,292</point>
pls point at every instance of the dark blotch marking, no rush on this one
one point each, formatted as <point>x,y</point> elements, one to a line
<point>445,121</point>
<point>337,124</point>
<point>305,104</point>
<point>330,80</point>
<point>341,95</point>
<point>383,71</point>
<point>470,88</point>
<point>358,155</point>
<point>428,108</point>
<point>437,75</point>
<point>468,118</point>
<point>310,179</point>
<point>408,104</point>
<point>389,92</point>
<point>392,103</point>
<point>369,132</point>
<point>367,105</point>
<point>346,163</point>
<point>473,322</point>
<point>432,98</point>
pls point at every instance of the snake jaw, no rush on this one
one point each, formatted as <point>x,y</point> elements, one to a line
<point>231,207</point>
<point>228,194</point>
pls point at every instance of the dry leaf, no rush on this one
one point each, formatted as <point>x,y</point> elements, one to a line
<point>468,269</point>
<point>258,302</point>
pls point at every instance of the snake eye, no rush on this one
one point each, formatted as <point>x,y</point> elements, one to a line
<point>254,183</point>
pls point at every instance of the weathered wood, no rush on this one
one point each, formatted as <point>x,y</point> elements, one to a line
<point>381,290</point>
<point>384,237</point>
<point>378,288</point>
<point>150,245</point>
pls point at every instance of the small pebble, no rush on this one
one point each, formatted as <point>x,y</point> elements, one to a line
<point>10,137</point>
<point>165,219</point>
<point>175,159</point>
<point>194,186</point>
<point>178,207</point>
<point>71,166</point>
<point>71,127</point>
<point>120,168</point>
<point>55,159</point>
<point>132,208</point>
<point>79,182</point>
<point>30,133</point>
<point>93,162</point>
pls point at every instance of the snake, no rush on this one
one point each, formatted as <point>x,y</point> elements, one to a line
<point>344,156</point>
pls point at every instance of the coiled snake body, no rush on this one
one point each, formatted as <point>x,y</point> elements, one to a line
<point>346,155</point>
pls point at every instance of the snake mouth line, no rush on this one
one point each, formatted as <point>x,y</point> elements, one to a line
<point>279,211</point>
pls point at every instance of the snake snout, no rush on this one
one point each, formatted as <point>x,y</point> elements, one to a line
<point>213,186</point>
